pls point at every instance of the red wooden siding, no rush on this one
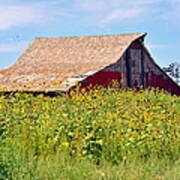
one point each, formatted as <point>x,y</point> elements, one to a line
<point>102,78</point>
<point>115,72</point>
<point>155,77</point>
<point>143,72</point>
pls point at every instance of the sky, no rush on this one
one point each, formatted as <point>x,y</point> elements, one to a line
<point>23,20</point>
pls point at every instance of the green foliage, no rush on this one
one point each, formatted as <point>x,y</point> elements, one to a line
<point>113,126</point>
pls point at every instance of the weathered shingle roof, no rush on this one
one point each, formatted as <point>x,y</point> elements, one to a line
<point>48,61</point>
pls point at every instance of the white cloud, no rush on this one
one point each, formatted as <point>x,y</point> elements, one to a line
<point>104,12</point>
<point>84,11</point>
<point>117,11</point>
<point>92,5</point>
<point>13,47</point>
<point>121,15</point>
<point>14,15</point>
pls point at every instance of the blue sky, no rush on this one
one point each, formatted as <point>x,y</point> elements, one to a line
<point>23,20</point>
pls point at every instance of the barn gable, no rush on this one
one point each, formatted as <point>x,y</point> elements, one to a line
<point>143,71</point>
<point>154,76</point>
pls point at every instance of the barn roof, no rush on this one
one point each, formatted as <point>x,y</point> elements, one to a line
<point>57,64</point>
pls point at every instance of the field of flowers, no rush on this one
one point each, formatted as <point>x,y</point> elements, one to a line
<point>101,126</point>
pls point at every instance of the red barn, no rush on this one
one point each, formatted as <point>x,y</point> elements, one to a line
<point>58,64</point>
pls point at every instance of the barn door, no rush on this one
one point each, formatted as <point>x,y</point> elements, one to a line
<point>128,68</point>
<point>135,67</point>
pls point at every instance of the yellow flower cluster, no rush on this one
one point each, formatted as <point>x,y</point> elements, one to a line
<point>100,123</point>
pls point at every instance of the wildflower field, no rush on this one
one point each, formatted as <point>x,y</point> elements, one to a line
<point>104,133</point>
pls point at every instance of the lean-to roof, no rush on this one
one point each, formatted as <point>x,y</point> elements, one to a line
<point>49,61</point>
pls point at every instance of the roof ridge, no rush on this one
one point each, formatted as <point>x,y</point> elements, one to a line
<point>103,35</point>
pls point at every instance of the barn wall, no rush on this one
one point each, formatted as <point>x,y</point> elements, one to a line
<point>104,77</point>
<point>145,72</point>
<point>118,71</point>
<point>155,77</point>
<point>141,69</point>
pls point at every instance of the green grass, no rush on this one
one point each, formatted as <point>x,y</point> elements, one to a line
<point>60,167</point>
<point>101,134</point>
